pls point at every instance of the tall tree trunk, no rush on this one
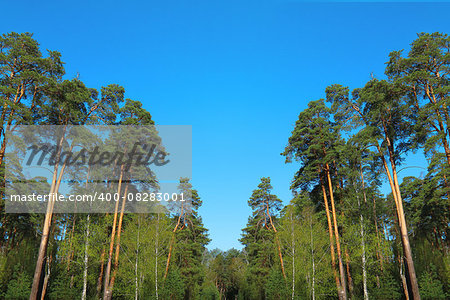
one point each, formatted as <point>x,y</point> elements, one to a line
<point>56,180</point>
<point>395,187</point>
<point>119,231</point>
<point>111,243</point>
<point>363,242</point>
<point>330,233</point>
<point>363,260</point>
<point>47,275</point>
<point>86,246</point>
<point>136,287</point>
<point>277,241</point>
<point>100,277</point>
<point>293,255</point>
<point>393,182</point>
<point>46,278</point>
<point>349,275</point>
<point>405,239</point>
<point>402,276</point>
<point>343,289</point>
<point>71,251</point>
<point>156,257</point>
<point>34,295</point>
<point>172,241</point>
<point>313,262</point>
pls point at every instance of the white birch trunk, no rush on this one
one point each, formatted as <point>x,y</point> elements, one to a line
<point>313,262</point>
<point>293,257</point>
<point>363,258</point>
<point>86,247</point>
<point>156,258</point>
<point>363,242</point>
<point>136,288</point>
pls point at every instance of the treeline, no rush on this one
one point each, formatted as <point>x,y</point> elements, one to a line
<point>88,255</point>
<point>340,237</point>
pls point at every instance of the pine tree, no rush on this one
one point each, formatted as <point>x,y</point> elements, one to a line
<point>190,239</point>
<point>260,237</point>
<point>379,113</point>
<point>315,144</point>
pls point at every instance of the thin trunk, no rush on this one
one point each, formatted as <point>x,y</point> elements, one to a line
<point>172,241</point>
<point>400,260</point>
<point>46,278</point>
<point>293,273</point>
<point>406,245</point>
<point>363,260</point>
<point>403,277</point>
<point>156,258</point>
<point>385,231</point>
<point>111,243</point>
<point>70,252</point>
<point>34,295</point>
<point>403,228</point>
<point>379,251</point>
<point>136,288</point>
<point>393,182</point>
<point>277,241</point>
<point>343,290</point>
<point>330,233</point>
<point>349,275</point>
<point>100,277</point>
<point>35,288</point>
<point>313,262</point>
<point>86,246</point>
<point>119,231</point>
<point>293,255</point>
<point>363,242</point>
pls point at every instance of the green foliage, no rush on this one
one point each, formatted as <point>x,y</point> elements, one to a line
<point>346,136</point>
<point>191,240</point>
<point>306,247</point>
<point>173,288</point>
<point>276,286</point>
<point>226,272</point>
<point>259,237</point>
<point>389,288</point>
<point>62,287</point>
<point>209,292</point>
<point>431,287</point>
<point>19,285</point>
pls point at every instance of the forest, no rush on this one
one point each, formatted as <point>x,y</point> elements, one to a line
<point>354,228</point>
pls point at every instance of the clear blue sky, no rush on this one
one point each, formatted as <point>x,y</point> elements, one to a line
<point>239,72</point>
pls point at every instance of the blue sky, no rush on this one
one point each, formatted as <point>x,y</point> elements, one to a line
<point>239,72</point>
